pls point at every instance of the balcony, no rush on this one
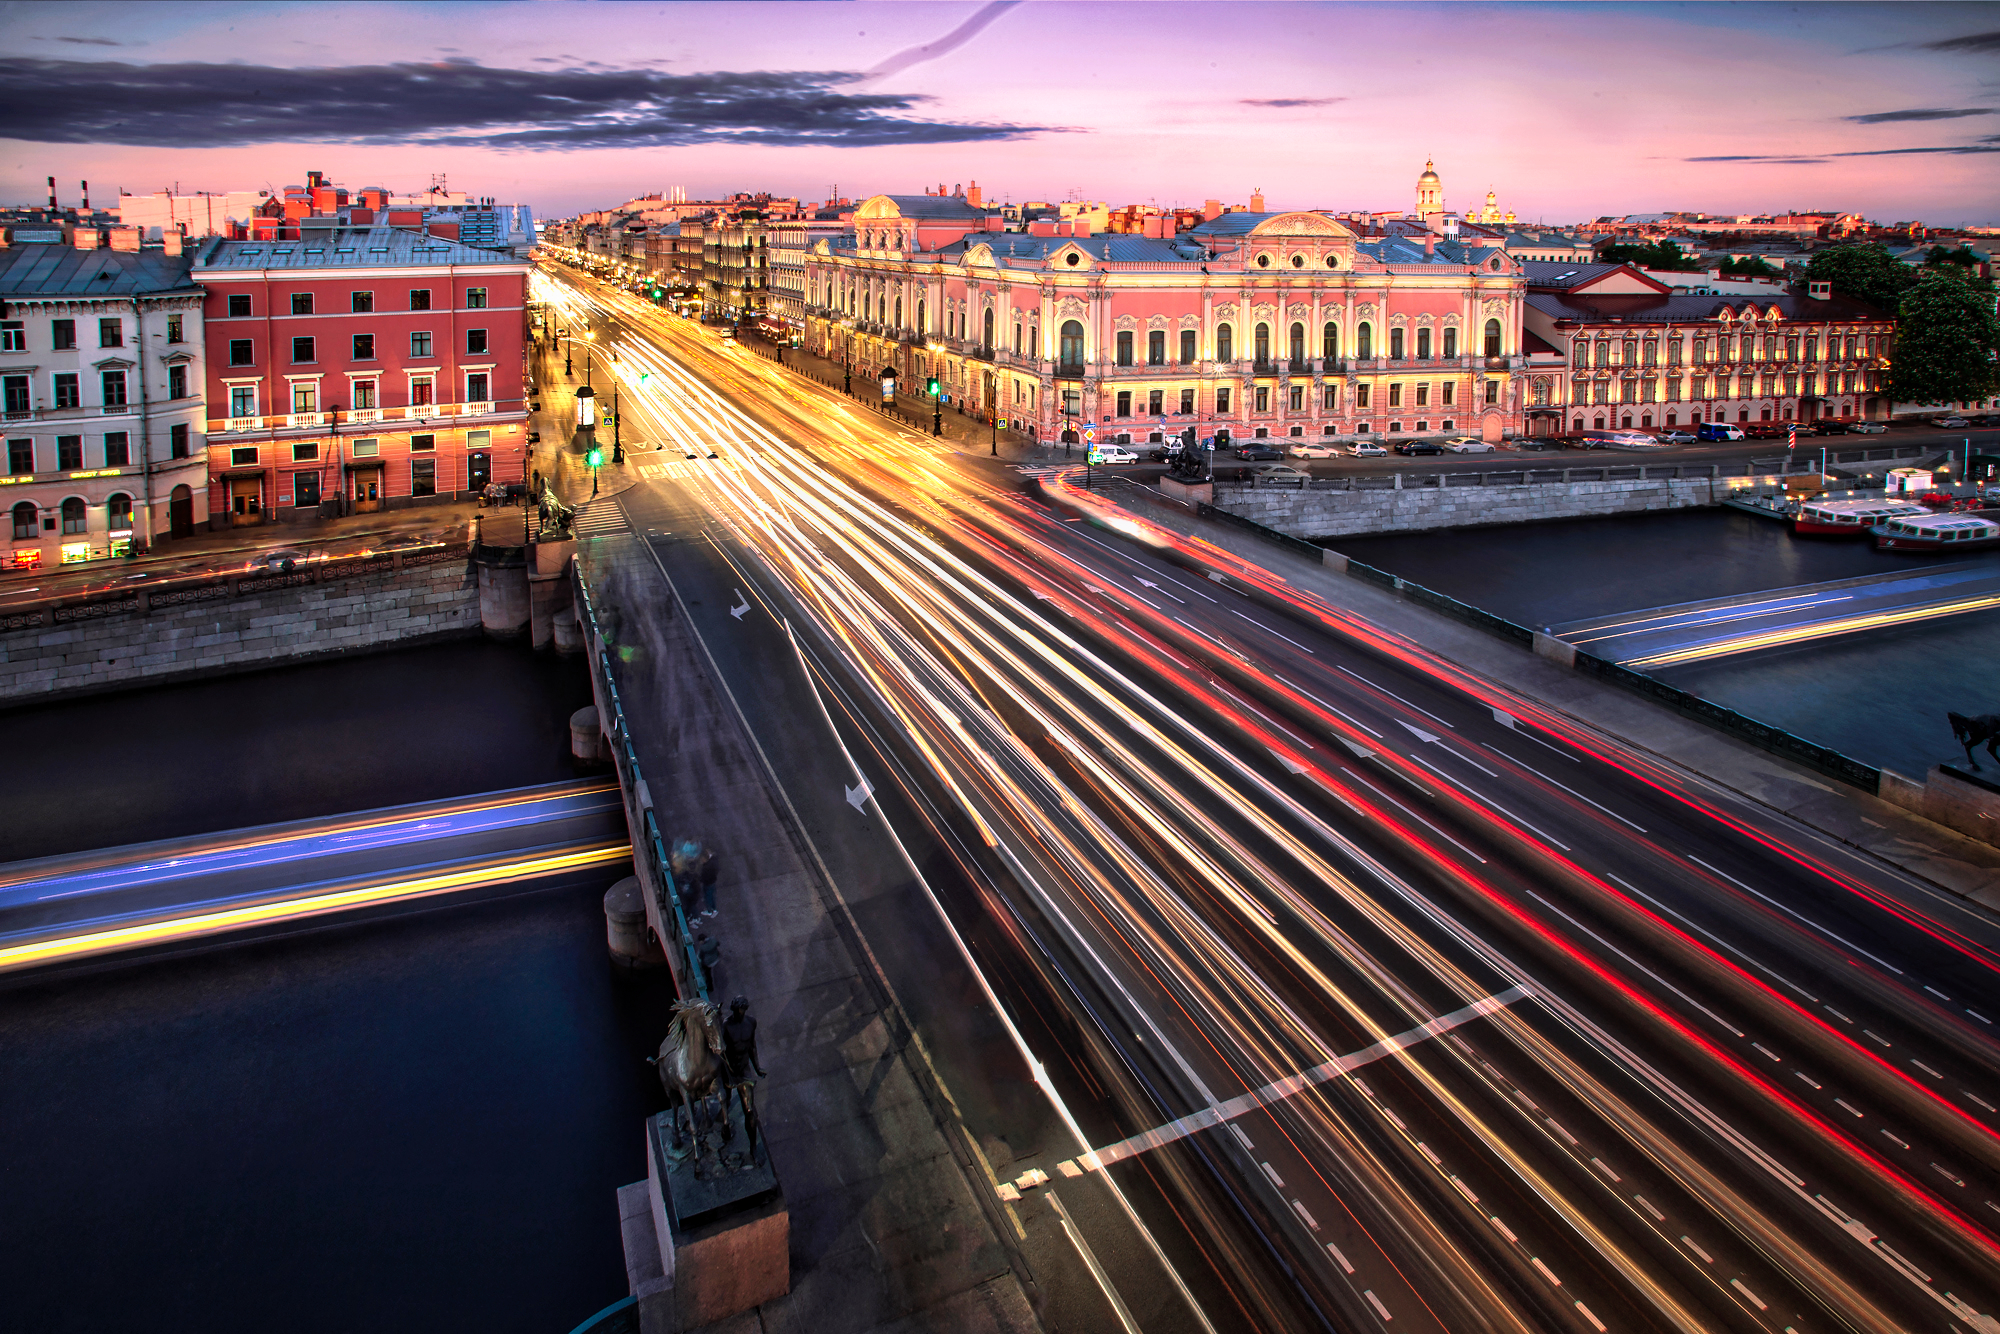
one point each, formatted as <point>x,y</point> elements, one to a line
<point>116,409</point>
<point>305,421</point>
<point>1263,368</point>
<point>362,416</point>
<point>476,408</point>
<point>1070,370</point>
<point>245,423</point>
<point>1300,366</point>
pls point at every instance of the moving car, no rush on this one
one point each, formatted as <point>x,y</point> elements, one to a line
<point>1866,428</point>
<point>1540,443</point>
<point>1315,451</point>
<point>1419,447</point>
<point>1468,444</point>
<point>1951,423</point>
<point>1677,437</point>
<point>1367,449</point>
<point>1280,472</point>
<point>1112,454</point>
<point>1719,431</point>
<point>1259,450</point>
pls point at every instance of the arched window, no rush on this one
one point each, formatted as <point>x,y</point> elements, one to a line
<point>1450,343</point>
<point>1072,346</point>
<point>1187,347</point>
<point>74,515</point>
<point>1396,337</point>
<point>1492,338</point>
<point>119,509</point>
<point>1329,341</point>
<point>899,312</point>
<point>1423,345</point>
<point>1298,343</point>
<point>986,331</point>
<point>1156,348</point>
<point>1225,343</point>
<point>1262,349</point>
<point>27,521</point>
<point>921,328</point>
<point>1364,342</point>
<point>1124,353</point>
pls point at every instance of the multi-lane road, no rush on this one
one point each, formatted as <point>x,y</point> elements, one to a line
<point>1357,994</point>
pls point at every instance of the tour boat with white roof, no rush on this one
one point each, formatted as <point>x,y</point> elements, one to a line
<point>1937,532</point>
<point>1850,518</point>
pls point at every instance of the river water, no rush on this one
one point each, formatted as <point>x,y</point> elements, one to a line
<point>413,1123</point>
<point>1878,697</point>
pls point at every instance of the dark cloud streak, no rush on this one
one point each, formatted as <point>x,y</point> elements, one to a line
<point>1978,41</point>
<point>1922,113</point>
<point>1821,159</point>
<point>1290,101</point>
<point>457,102</point>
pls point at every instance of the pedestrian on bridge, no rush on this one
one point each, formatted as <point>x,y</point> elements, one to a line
<point>706,875</point>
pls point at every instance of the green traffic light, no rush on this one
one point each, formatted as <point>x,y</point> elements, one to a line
<point>931,386</point>
<point>595,457</point>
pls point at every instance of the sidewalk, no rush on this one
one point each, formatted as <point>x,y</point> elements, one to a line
<point>1939,856</point>
<point>886,1231</point>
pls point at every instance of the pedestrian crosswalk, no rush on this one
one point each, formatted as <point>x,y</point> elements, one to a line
<point>599,518</point>
<point>680,470</point>
<point>1055,471</point>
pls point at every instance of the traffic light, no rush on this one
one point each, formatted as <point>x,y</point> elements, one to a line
<point>594,458</point>
<point>931,386</point>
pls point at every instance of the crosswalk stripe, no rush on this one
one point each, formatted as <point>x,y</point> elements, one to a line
<point>599,519</point>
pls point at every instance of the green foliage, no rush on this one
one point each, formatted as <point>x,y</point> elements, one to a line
<point>1750,267</point>
<point>1963,256</point>
<point>1865,272</point>
<point>1946,338</point>
<point>1664,255</point>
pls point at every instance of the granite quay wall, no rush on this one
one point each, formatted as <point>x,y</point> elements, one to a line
<point>1316,513</point>
<point>204,626</point>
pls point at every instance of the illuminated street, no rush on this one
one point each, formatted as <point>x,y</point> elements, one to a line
<point>1685,1067</point>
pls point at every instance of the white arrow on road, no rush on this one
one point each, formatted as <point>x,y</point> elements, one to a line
<point>1145,583</point>
<point>1428,738</point>
<point>1432,739</point>
<point>1040,595</point>
<point>737,612</point>
<point>1360,751</point>
<point>1290,764</point>
<point>857,796</point>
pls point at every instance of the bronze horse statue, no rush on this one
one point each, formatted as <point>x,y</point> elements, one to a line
<point>1969,732</point>
<point>690,1059</point>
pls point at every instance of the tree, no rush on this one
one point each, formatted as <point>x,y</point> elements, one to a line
<point>1946,338</point>
<point>1664,255</point>
<point>1750,267</point>
<point>1963,257</point>
<point>1865,272</point>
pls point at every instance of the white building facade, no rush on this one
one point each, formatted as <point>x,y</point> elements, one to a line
<point>101,375</point>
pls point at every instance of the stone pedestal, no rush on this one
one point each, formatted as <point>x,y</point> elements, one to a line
<point>625,928</point>
<point>503,590</point>
<point>724,1234</point>
<point>549,594</point>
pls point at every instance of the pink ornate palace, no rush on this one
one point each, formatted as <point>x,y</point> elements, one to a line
<point>1250,324</point>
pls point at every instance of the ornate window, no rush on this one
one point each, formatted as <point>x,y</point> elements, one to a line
<point>1225,343</point>
<point>1493,331</point>
<point>1072,346</point>
<point>1364,340</point>
<point>1262,348</point>
<point>1329,341</point>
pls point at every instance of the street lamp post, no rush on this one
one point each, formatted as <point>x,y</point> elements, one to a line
<point>617,429</point>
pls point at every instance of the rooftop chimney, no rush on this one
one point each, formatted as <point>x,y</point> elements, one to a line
<point>1257,201</point>
<point>52,194</point>
<point>170,240</point>
<point>86,196</point>
<point>1211,209</point>
<point>1430,245</point>
<point>972,195</point>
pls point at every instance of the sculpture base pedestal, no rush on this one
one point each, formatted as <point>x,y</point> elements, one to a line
<point>723,1228</point>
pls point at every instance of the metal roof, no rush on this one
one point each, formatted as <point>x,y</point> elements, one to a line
<point>345,247</point>
<point>48,269</point>
<point>1683,308</point>
<point>933,206</point>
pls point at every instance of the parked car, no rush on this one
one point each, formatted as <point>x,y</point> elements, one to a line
<point>1367,449</point>
<point>1419,447</point>
<point>1719,431</point>
<point>1866,428</point>
<point>1280,472</point>
<point>283,560</point>
<point>1315,450</point>
<point>1764,431</point>
<point>1467,444</point>
<point>1259,450</point>
<point>1596,441</point>
<point>1677,437</point>
<point>1951,423</point>
<point>1112,454</point>
<point>1539,443</point>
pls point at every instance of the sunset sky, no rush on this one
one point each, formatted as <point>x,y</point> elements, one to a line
<point>1569,111</point>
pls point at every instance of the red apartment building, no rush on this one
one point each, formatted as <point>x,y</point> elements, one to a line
<point>356,369</point>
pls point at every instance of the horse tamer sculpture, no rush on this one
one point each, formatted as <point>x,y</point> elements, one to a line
<point>1969,732</point>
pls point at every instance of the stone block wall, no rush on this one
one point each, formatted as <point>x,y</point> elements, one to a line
<point>217,632</point>
<point>1319,514</point>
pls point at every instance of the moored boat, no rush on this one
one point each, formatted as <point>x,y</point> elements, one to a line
<point>1850,518</point>
<point>1936,532</point>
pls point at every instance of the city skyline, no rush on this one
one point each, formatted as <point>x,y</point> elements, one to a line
<point>1568,112</point>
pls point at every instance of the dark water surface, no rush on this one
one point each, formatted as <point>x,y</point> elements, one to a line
<point>418,1123</point>
<point>288,744</point>
<point>1879,697</point>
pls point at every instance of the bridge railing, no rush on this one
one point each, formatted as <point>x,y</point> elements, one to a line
<point>649,846</point>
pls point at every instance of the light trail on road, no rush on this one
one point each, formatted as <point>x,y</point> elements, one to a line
<point>1257,846</point>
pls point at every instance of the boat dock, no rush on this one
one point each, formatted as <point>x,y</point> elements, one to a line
<point>1778,618</point>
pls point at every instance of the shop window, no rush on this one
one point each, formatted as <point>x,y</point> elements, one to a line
<point>27,521</point>
<point>423,477</point>
<point>118,512</point>
<point>75,517</point>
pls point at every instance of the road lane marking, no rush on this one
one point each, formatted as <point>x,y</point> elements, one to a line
<point>1328,707</point>
<point>1478,796</point>
<point>1717,939</point>
<point>1636,964</point>
<point>1801,916</point>
<point>1572,791</point>
<point>1209,1118</point>
<point>1392,695</point>
<point>1269,631</point>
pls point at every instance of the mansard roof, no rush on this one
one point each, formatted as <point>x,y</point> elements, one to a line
<point>51,269</point>
<point>1680,308</point>
<point>953,207</point>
